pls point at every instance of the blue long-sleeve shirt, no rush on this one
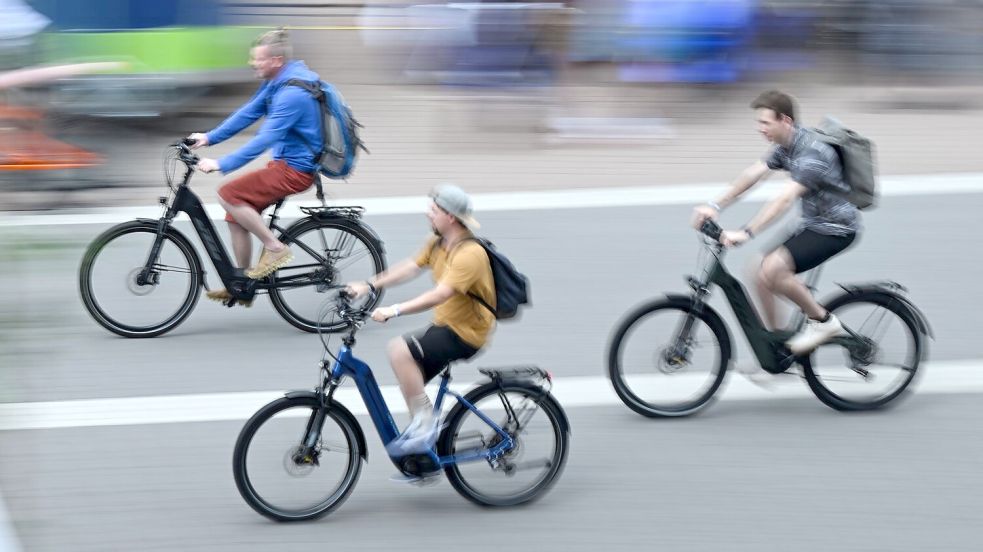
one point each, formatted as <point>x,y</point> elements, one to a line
<point>292,126</point>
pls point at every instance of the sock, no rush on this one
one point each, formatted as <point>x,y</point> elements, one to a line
<point>421,407</point>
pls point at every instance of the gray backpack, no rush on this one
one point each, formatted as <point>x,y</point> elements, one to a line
<point>857,157</point>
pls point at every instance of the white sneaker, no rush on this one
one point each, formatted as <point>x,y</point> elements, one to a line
<point>814,334</point>
<point>418,437</point>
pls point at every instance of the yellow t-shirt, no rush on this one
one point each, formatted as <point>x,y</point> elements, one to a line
<point>466,269</point>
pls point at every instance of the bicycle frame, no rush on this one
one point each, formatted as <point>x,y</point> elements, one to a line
<point>768,346</point>
<point>234,280</point>
<point>346,365</point>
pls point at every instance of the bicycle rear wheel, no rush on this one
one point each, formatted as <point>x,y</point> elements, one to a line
<point>657,371</point>
<point>875,370</point>
<point>116,297</point>
<point>282,480</point>
<point>534,420</point>
<point>327,255</point>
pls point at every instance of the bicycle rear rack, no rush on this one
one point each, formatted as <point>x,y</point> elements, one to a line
<point>335,211</point>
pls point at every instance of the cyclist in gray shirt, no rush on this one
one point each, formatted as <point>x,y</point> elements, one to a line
<point>830,223</point>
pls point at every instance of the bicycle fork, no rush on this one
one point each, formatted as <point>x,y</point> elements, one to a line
<point>308,452</point>
<point>147,275</point>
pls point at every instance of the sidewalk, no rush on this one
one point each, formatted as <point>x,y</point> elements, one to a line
<point>604,135</point>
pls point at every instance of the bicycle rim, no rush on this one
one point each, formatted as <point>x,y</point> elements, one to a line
<point>654,378</point>
<point>119,302</point>
<point>278,483</point>
<point>525,471</point>
<point>849,381</point>
<point>327,255</point>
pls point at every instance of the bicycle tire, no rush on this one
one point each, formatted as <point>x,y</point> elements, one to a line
<point>99,312</point>
<point>446,444</point>
<point>244,481</point>
<point>915,351</point>
<point>616,369</point>
<point>300,310</point>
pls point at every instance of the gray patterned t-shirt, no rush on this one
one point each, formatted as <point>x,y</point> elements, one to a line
<point>815,165</point>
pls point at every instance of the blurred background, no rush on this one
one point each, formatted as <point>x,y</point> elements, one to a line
<point>498,97</point>
<point>644,91</point>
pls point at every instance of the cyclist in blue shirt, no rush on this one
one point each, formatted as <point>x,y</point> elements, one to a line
<point>292,128</point>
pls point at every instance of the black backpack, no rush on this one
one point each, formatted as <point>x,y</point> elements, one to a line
<point>511,287</point>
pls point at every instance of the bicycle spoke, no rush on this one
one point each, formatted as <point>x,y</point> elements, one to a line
<point>352,259</point>
<point>168,268</point>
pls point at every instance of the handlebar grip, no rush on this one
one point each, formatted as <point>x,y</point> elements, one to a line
<point>188,142</point>
<point>711,229</point>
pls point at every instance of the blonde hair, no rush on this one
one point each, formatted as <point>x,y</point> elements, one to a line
<point>277,42</point>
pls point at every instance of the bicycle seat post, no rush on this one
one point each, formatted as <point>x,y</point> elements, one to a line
<point>274,216</point>
<point>319,190</point>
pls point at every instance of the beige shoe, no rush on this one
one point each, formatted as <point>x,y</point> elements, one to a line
<point>270,262</point>
<point>223,296</point>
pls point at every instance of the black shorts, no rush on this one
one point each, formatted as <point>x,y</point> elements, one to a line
<point>810,249</point>
<point>436,347</point>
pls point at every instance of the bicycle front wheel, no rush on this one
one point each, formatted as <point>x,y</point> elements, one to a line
<point>666,359</point>
<point>281,478</point>
<point>877,368</point>
<point>327,255</point>
<point>538,427</point>
<point>130,301</point>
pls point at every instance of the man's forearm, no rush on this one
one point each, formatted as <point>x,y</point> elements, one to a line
<point>744,182</point>
<point>397,274</point>
<point>425,301</point>
<point>768,214</point>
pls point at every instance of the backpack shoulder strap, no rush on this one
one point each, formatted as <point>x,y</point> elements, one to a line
<point>480,242</point>
<point>314,89</point>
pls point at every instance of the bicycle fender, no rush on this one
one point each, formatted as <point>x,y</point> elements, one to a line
<point>342,411</point>
<point>889,290</point>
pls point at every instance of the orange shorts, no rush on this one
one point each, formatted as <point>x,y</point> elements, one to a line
<point>262,188</point>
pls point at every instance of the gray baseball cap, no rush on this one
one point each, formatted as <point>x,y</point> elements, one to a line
<point>456,202</point>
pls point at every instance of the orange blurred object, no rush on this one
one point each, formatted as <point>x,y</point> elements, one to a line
<point>24,148</point>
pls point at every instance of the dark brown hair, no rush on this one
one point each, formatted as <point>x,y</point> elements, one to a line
<point>779,102</point>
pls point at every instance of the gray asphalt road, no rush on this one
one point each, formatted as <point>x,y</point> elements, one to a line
<point>741,476</point>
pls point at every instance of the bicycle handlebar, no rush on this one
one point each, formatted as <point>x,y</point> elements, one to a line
<point>711,229</point>
<point>352,316</point>
<point>184,152</point>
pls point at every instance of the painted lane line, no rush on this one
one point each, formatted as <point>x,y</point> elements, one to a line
<point>577,391</point>
<point>898,186</point>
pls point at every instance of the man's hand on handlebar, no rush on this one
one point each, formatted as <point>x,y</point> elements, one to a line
<point>733,238</point>
<point>356,290</point>
<point>383,314</point>
<point>207,165</point>
<point>702,213</point>
<point>199,140</point>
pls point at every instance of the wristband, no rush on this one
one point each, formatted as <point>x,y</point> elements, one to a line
<point>715,206</point>
<point>747,230</point>
<point>396,310</point>
<point>372,288</point>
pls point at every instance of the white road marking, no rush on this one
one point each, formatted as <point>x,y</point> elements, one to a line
<point>937,184</point>
<point>575,391</point>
